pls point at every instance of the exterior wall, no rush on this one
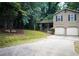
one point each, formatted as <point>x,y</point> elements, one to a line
<point>65,23</point>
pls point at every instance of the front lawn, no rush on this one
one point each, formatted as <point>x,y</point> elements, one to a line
<point>76,45</point>
<point>7,39</point>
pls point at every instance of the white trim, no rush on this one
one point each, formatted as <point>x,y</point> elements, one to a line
<point>59,18</point>
<point>72,17</point>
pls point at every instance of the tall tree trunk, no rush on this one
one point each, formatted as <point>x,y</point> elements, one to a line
<point>34,26</point>
<point>11,25</point>
<point>5,25</point>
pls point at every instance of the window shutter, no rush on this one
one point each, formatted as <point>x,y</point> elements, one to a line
<point>61,18</point>
<point>56,18</point>
<point>68,17</point>
<point>75,17</point>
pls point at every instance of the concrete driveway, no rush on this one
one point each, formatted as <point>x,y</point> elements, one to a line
<point>49,46</point>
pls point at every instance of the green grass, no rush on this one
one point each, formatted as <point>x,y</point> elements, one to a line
<point>7,39</point>
<point>76,45</point>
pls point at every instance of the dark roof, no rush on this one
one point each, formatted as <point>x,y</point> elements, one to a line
<point>46,21</point>
<point>67,10</point>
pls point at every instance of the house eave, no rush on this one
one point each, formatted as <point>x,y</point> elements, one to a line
<point>67,10</point>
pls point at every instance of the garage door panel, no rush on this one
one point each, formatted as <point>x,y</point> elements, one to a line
<point>60,31</point>
<point>72,31</point>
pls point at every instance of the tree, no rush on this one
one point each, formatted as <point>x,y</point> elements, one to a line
<point>9,12</point>
<point>37,11</point>
<point>27,13</point>
<point>72,5</point>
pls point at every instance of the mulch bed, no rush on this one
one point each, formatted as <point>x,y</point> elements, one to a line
<point>14,31</point>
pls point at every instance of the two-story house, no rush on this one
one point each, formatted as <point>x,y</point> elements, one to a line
<point>66,22</point>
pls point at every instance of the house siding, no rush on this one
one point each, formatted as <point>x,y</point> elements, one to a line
<point>65,23</point>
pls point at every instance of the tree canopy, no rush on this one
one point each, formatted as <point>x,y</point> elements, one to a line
<point>32,12</point>
<point>72,5</point>
<point>37,11</point>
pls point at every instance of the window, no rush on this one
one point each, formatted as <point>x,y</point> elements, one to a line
<point>72,17</point>
<point>59,18</point>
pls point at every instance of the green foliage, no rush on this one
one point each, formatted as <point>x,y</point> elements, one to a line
<point>9,7</point>
<point>72,5</point>
<point>49,17</point>
<point>37,11</point>
<point>32,12</point>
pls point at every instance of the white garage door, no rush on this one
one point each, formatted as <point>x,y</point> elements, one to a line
<point>60,31</point>
<point>72,31</point>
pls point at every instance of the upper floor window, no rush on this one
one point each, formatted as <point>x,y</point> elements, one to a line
<point>72,17</point>
<point>59,18</point>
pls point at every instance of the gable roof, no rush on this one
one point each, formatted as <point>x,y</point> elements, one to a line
<point>67,10</point>
<point>46,21</point>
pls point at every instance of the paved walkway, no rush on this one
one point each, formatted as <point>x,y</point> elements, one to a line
<point>49,46</point>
